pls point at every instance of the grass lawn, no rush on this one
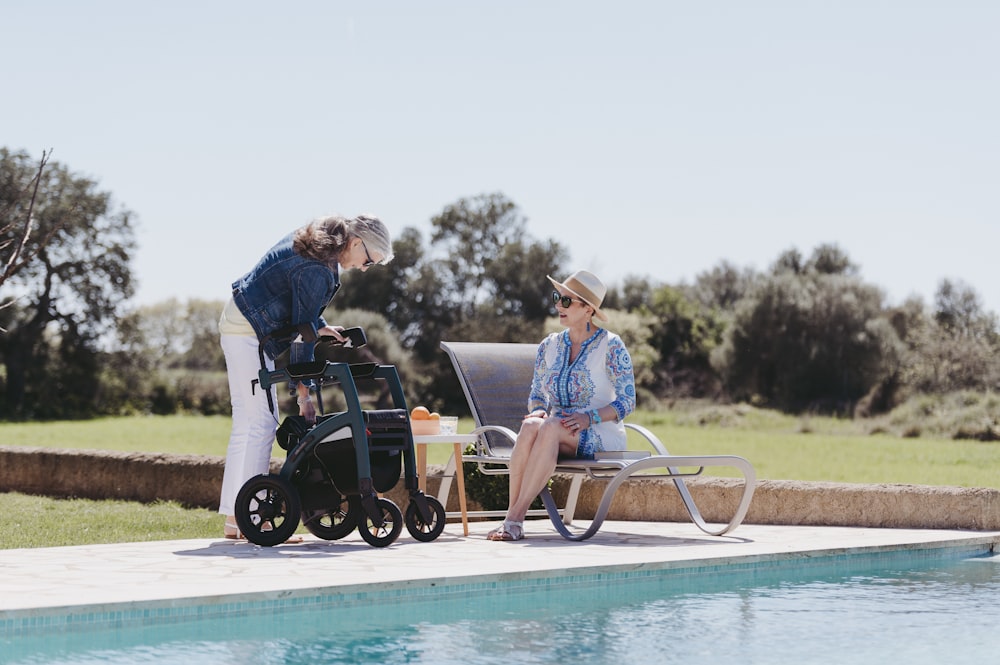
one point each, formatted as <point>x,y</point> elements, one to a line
<point>33,521</point>
<point>787,448</point>
<point>190,435</point>
<point>780,447</point>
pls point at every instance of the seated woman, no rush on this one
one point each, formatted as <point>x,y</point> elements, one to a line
<point>583,388</point>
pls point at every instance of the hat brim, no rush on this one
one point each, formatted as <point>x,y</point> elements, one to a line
<point>597,310</point>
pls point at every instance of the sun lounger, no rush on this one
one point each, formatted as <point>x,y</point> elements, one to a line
<point>496,378</point>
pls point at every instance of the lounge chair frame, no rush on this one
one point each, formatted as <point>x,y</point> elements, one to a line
<point>496,378</point>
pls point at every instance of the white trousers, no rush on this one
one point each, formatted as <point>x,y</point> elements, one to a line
<point>249,452</point>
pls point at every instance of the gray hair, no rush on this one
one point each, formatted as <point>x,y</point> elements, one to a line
<point>325,238</point>
<point>374,234</point>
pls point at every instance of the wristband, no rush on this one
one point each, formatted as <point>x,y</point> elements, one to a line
<point>595,417</point>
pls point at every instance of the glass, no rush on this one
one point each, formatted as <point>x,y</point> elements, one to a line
<point>565,301</point>
<point>369,263</point>
<point>449,424</point>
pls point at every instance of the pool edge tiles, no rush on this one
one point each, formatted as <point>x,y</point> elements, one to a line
<point>691,571</point>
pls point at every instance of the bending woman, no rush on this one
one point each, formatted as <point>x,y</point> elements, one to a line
<point>291,285</point>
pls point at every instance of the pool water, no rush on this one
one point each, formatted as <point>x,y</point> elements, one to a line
<point>845,609</point>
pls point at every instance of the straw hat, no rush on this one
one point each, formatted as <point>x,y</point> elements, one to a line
<point>587,287</point>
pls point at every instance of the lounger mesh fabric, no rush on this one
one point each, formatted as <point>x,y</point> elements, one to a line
<point>499,380</point>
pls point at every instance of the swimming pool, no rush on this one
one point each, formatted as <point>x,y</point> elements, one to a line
<point>913,606</point>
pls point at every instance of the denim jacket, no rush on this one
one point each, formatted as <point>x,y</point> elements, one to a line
<point>286,289</point>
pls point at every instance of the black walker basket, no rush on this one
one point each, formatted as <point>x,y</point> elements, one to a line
<point>335,468</point>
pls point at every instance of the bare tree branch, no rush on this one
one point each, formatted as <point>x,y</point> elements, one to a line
<point>18,257</point>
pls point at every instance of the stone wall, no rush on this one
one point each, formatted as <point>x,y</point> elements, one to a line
<point>194,480</point>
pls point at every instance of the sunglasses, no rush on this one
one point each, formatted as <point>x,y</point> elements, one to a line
<point>565,301</point>
<point>369,263</point>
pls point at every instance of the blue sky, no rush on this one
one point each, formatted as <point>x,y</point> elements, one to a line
<point>651,138</point>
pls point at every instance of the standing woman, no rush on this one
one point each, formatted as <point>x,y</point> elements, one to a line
<point>291,285</point>
<point>582,389</point>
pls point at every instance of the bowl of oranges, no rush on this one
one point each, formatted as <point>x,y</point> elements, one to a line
<point>424,422</point>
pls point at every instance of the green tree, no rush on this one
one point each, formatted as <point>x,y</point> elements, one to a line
<point>721,287</point>
<point>166,358</point>
<point>831,260</point>
<point>199,338</point>
<point>157,332</point>
<point>959,312</point>
<point>635,294</point>
<point>518,288</point>
<point>810,335</point>
<point>480,277</point>
<point>467,240</point>
<point>69,295</point>
<point>951,348</point>
<point>490,272</point>
<point>128,371</point>
<point>483,279</point>
<point>684,333</point>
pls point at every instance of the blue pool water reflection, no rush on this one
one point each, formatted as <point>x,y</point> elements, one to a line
<point>847,609</point>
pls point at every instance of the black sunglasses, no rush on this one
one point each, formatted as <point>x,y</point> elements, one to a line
<point>369,263</point>
<point>565,301</point>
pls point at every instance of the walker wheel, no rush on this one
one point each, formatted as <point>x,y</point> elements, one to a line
<point>331,523</point>
<point>392,525</point>
<point>267,510</point>
<point>418,528</point>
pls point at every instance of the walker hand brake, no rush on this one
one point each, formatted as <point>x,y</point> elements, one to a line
<point>355,338</point>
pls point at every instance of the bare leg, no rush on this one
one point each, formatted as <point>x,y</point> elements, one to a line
<point>521,456</point>
<point>537,468</point>
<point>533,461</point>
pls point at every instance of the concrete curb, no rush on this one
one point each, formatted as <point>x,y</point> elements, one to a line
<point>194,480</point>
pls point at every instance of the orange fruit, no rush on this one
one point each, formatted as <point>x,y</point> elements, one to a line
<point>435,415</point>
<point>420,413</point>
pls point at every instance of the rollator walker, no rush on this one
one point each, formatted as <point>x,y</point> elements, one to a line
<point>335,468</point>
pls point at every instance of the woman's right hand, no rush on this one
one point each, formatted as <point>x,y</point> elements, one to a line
<point>332,331</point>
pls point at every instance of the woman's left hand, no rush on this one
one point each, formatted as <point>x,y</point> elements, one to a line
<point>575,422</point>
<point>306,407</point>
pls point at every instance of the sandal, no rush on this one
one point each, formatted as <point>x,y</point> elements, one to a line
<point>509,530</point>
<point>231,531</point>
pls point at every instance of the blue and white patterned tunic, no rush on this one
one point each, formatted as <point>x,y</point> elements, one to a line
<point>600,375</point>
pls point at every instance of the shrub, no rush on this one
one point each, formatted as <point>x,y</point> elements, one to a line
<point>958,415</point>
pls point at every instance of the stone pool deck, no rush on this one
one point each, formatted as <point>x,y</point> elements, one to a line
<point>66,582</point>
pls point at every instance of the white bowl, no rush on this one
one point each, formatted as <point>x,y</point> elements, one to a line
<point>425,427</point>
